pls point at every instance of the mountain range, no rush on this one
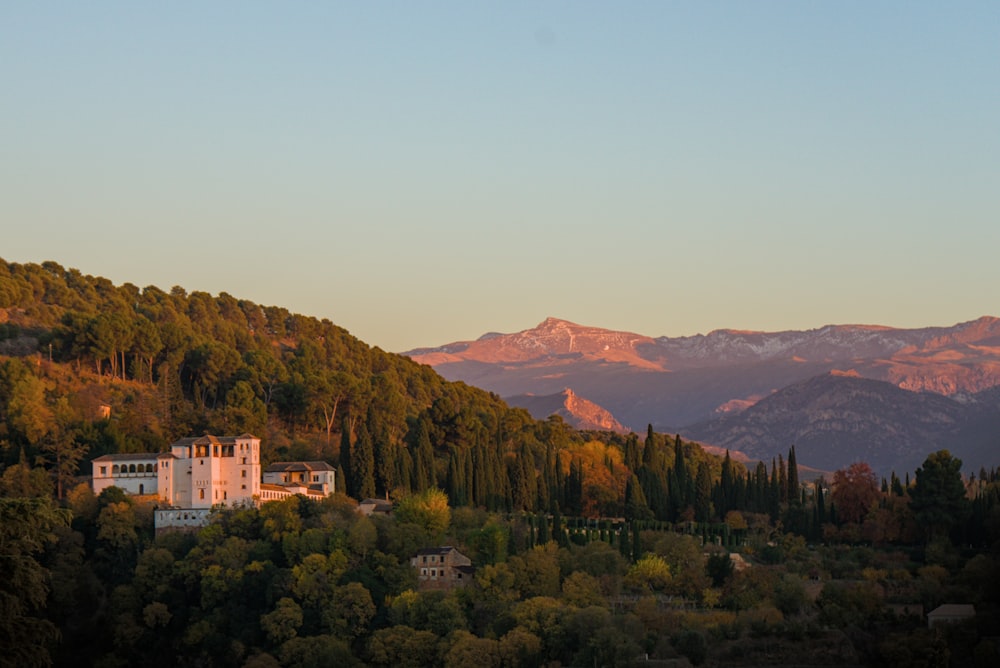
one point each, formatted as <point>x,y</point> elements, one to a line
<point>839,393</point>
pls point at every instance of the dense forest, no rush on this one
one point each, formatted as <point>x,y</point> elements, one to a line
<point>590,548</point>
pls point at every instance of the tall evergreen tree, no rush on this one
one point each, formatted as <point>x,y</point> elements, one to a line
<point>793,477</point>
<point>703,493</point>
<point>457,485</point>
<point>631,455</point>
<point>363,465</point>
<point>383,451</point>
<point>727,486</point>
<point>782,481</point>
<point>636,507</point>
<point>345,459</point>
<point>937,497</point>
<point>681,473</point>
<point>423,458</point>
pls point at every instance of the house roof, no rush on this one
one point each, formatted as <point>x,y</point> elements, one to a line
<point>428,551</point>
<point>128,457</point>
<point>313,490</point>
<point>953,610</point>
<point>278,467</point>
<point>209,439</point>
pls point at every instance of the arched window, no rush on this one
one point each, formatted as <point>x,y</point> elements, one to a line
<point>149,468</point>
<point>131,468</point>
<point>114,470</point>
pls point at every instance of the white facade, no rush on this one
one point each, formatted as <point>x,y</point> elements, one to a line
<point>210,470</point>
<point>201,472</point>
<point>133,473</point>
<point>198,472</point>
<point>317,476</point>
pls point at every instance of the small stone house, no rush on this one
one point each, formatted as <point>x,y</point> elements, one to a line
<point>949,613</point>
<point>442,568</point>
<point>369,507</point>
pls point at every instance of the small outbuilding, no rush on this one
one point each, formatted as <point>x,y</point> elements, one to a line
<point>442,568</point>
<point>369,507</point>
<point>950,613</point>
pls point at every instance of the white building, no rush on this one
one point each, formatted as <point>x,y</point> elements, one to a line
<point>210,470</point>
<point>317,476</point>
<point>205,471</point>
<point>133,473</point>
<point>196,474</point>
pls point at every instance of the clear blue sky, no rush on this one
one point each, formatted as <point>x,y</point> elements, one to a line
<point>426,172</point>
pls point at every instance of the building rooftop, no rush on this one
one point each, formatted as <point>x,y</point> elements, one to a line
<point>278,467</point>
<point>131,456</point>
<point>428,551</point>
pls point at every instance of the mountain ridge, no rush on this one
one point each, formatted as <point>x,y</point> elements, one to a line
<point>678,383</point>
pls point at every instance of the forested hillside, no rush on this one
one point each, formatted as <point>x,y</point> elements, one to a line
<point>586,547</point>
<point>174,364</point>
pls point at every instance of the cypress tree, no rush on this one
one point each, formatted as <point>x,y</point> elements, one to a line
<point>543,529</point>
<point>631,453</point>
<point>363,465</point>
<point>457,489</point>
<point>345,460</point>
<point>782,480</point>
<point>558,533</point>
<point>681,473</point>
<point>774,492</point>
<point>527,466</point>
<point>340,482</point>
<point>703,493</point>
<point>545,484</point>
<point>479,473</point>
<point>726,485</point>
<point>636,507</point>
<point>498,479</point>
<point>896,485</point>
<point>423,458</point>
<point>793,476</point>
<point>650,453</point>
<point>383,452</point>
<point>403,473</point>
<point>467,463</point>
<point>820,503</point>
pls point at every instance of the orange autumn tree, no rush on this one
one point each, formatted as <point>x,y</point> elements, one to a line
<point>604,477</point>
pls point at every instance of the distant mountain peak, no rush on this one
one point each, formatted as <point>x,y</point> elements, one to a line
<point>577,411</point>
<point>678,382</point>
